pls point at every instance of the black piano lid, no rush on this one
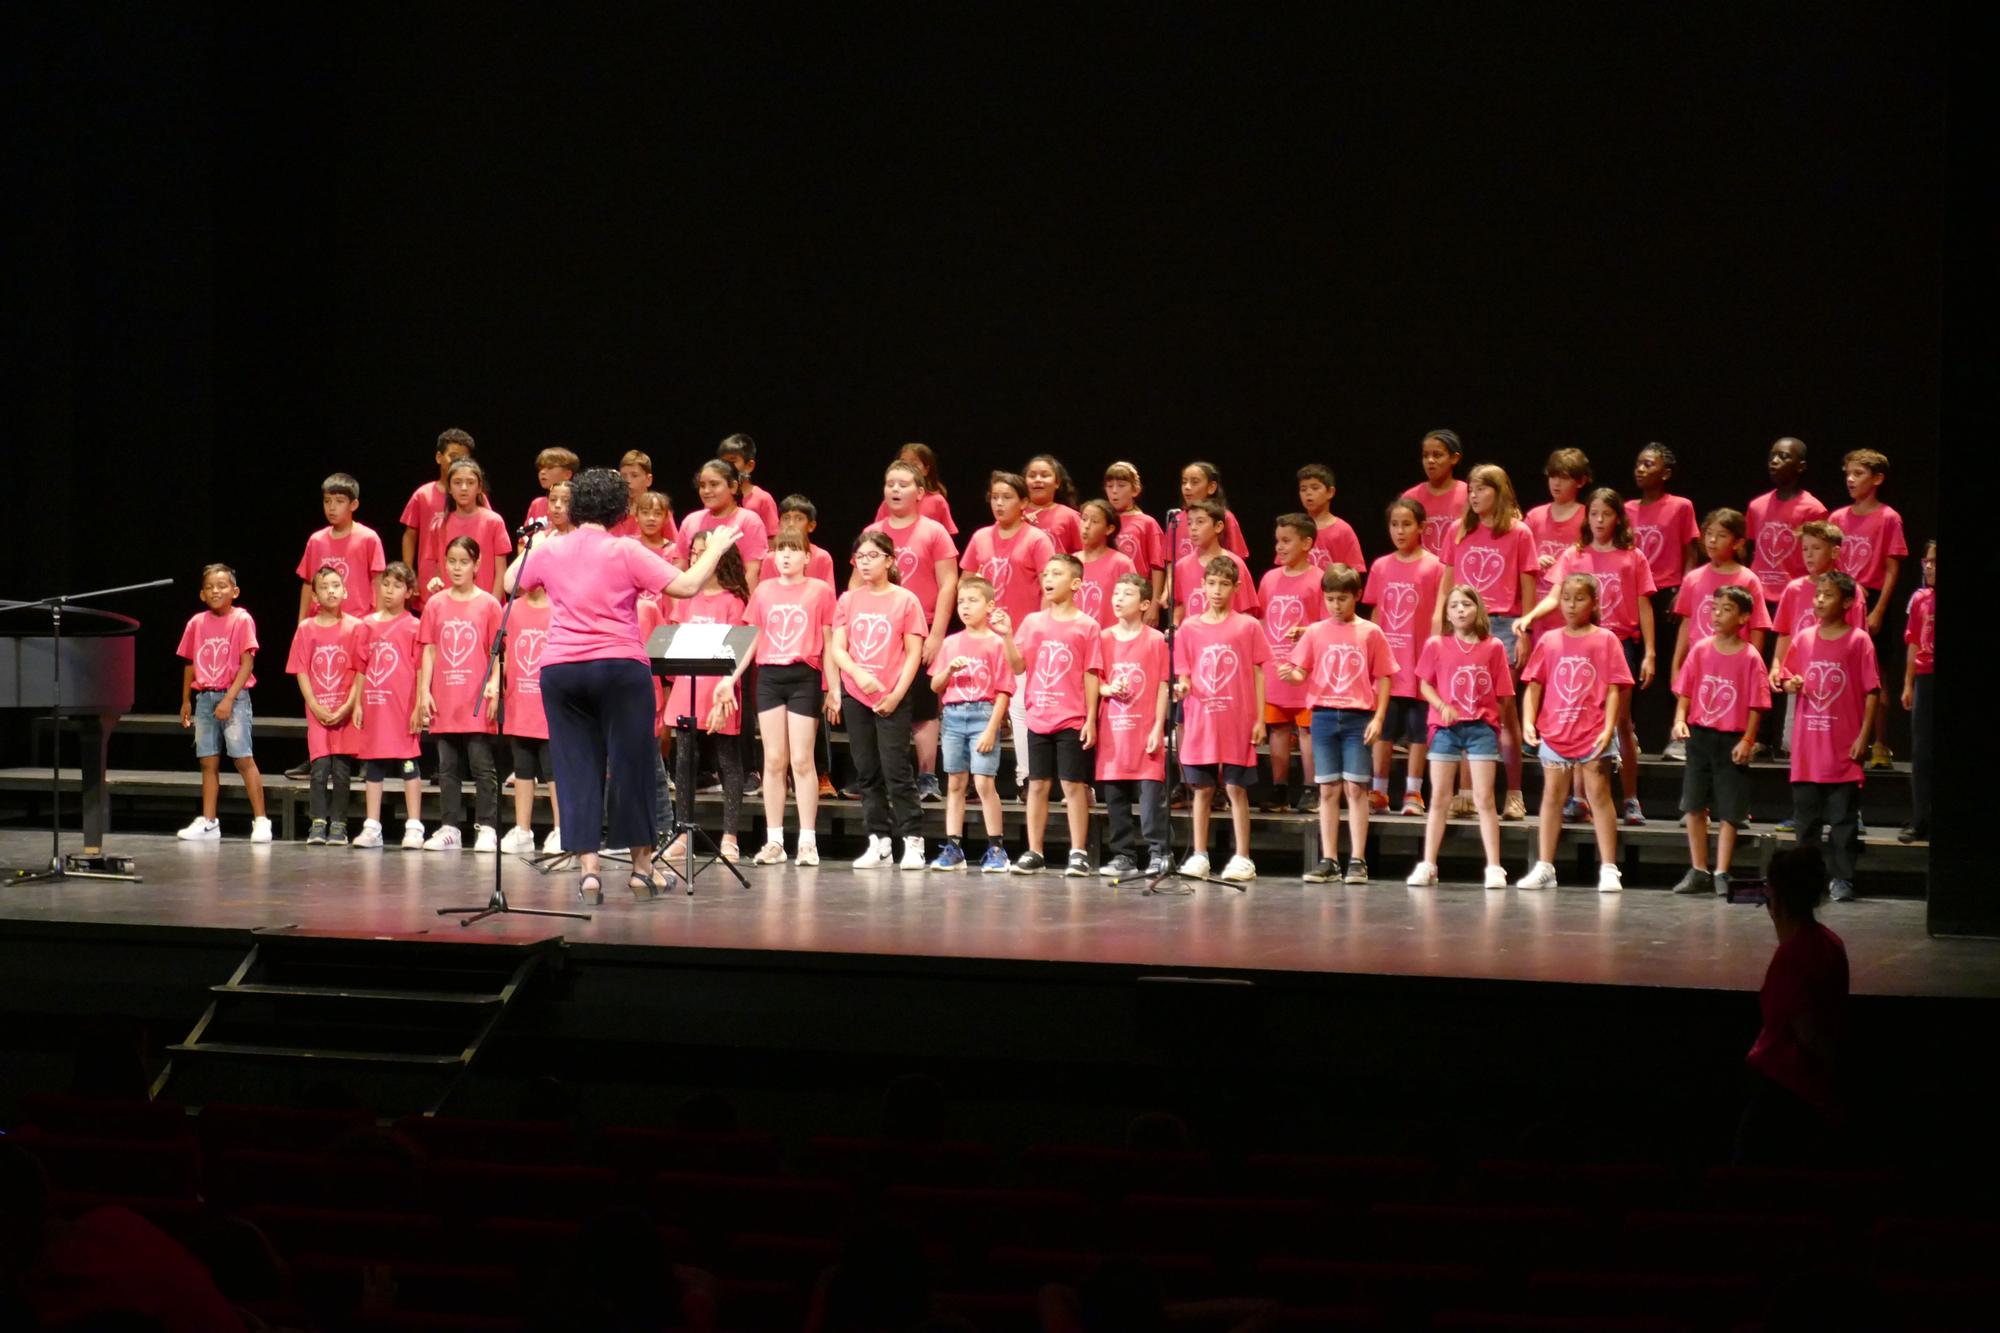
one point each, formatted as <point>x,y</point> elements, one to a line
<point>32,620</point>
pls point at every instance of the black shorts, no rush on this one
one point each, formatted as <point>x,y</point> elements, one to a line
<point>531,759</point>
<point>1712,780</point>
<point>381,770</point>
<point>1634,649</point>
<point>1233,775</point>
<point>794,687</point>
<point>1059,755</point>
<point>1408,722</point>
<point>924,700</point>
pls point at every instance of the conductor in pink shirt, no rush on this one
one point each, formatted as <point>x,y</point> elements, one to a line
<point>597,682</point>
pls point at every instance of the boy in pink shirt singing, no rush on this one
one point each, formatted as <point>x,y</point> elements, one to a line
<point>1057,656</point>
<point>1871,553</point>
<point>1773,520</point>
<point>1832,671</point>
<point>326,661</point>
<point>1204,532</point>
<point>1723,695</point>
<point>346,546</point>
<point>1134,702</point>
<point>973,682</point>
<point>1220,657</point>
<point>1291,600</point>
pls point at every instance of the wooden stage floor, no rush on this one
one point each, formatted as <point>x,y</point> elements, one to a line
<point>1643,937</point>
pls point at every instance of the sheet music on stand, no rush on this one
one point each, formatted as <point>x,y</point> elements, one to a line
<point>698,650</point>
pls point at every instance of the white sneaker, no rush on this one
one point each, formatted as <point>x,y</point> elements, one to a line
<point>808,853</point>
<point>413,835</point>
<point>260,829</point>
<point>1496,877</point>
<point>770,854</point>
<point>485,839</point>
<point>1541,875</point>
<point>1424,876</point>
<point>370,835</point>
<point>444,840</point>
<point>552,845</point>
<point>1196,864</point>
<point>202,830</point>
<point>518,842</point>
<point>1609,880</point>
<point>881,852</point>
<point>1238,869</point>
<point>913,854</point>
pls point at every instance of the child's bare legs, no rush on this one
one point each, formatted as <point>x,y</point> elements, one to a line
<point>1725,847</point>
<point>1697,826</point>
<point>1555,790</point>
<point>1017,722</point>
<point>371,801</point>
<point>1483,773</point>
<point>413,797</point>
<point>954,804</point>
<point>924,737</point>
<point>253,786</point>
<point>1628,746</point>
<point>1038,812</point>
<point>1384,755</point>
<point>1198,815</point>
<point>211,784</point>
<point>1357,820</point>
<point>1603,819</point>
<point>989,804</point>
<point>1076,801</point>
<point>1510,755</point>
<point>778,757</point>
<point>1329,820</point>
<point>1444,783</point>
<point>1239,817</point>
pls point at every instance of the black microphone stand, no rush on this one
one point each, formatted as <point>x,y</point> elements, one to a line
<point>496,658</point>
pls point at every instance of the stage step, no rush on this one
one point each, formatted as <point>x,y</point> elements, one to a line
<point>403,1016</point>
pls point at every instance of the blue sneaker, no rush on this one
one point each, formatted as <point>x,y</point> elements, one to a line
<point>952,857</point>
<point>994,862</point>
<point>1788,825</point>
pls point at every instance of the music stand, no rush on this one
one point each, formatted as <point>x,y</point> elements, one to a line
<point>690,651</point>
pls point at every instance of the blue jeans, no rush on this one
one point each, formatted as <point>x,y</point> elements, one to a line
<point>1473,738</point>
<point>212,737</point>
<point>960,726</point>
<point>1338,751</point>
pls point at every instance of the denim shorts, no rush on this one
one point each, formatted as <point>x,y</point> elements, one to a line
<point>1608,756</point>
<point>212,737</point>
<point>1473,738</point>
<point>1337,748</point>
<point>960,725</point>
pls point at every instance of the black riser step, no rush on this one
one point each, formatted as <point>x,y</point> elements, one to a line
<point>247,1050</point>
<point>307,991</point>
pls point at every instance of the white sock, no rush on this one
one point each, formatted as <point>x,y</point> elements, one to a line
<point>775,835</point>
<point>1382,785</point>
<point>807,838</point>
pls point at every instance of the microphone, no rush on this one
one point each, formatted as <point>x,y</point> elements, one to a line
<point>1173,514</point>
<point>532,525</point>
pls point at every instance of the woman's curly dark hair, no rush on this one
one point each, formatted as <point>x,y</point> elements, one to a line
<point>598,495</point>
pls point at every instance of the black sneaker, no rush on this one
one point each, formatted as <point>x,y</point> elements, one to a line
<point>1323,871</point>
<point>1721,878</point>
<point>304,770</point>
<point>1120,866</point>
<point>1156,865</point>
<point>1695,882</point>
<point>1910,833</point>
<point>1079,864</point>
<point>316,835</point>
<point>1029,863</point>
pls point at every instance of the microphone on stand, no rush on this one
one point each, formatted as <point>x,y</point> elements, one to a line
<point>1173,514</point>
<point>532,525</point>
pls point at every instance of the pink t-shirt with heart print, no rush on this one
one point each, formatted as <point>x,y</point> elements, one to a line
<point>1553,536</point>
<point>1794,614</point>
<point>720,607</point>
<point>1220,709</point>
<point>932,506</point>
<point>919,546</point>
<point>459,633</point>
<point>1290,601</point>
<point>987,674</point>
<point>1336,544</point>
<point>752,540</point>
<point>1062,525</point>
<point>1343,661</point>
<point>1057,655</point>
<point>328,656</point>
<point>1773,525</point>
<point>1093,595</point>
<point>1836,676</point>
<point>527,640</point>
<point>1472,677</point>
<point>1695,602</point>
<point>1493,563</point>
<point>1576,672</point>
<point>1920,632</point>
<point>1867,542</point>
<point>1721,688</point>
<point>1013,565</point>
<point>390,654</point>
<point>358,557</point>
<point>1624,578</point>
<point>1140,665</point>
<point>819,566</point>
<point>876,623</point>
<point>1441,513</point>
<point>1231,539</point>
<point>791,621</point>
<point>1142,541</point>
<point>1191,598</point>
<point>1404,594</point>
<point>216,644</point>
<point>1662,531</point>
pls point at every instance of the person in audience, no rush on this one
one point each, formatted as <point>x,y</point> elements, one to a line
<point>1793,1106</point>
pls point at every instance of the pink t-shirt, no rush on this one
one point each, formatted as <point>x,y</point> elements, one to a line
<point>819,565</point>
<point>1140,664</point>
<point>759,502</point>
<point>1058,654</point>
<point>1867,541</point>
<point>1441,513</point>
<point>1191,598</point>
<point>1920,631</point>
<point>1662,531</point>
<point>1093,595</point>
<point>1013,565</point>
<point>1140,538</point>
<point>1343,662</point>
<point>920,544</point>
<point>388,687</point>
<point>329,657</point>
<point>1336,544</point>
<point>1624,578</point>
<point>667,552</point>
<point>1695,602</point>
<point>752,544</point>
<point>1290,601</point>
<point>1220,660</point>
<point>1232,539</point>
<point>483,526</point>
<point>1722,688</point>
<point>1404,594</point>
<point>527,640</point>
<point>1794,613</point>
<point>1472,677</point>
<point>459,633</point>
<point>423,512</point>
<point>216,644</point>
<point>791,621</point>
<point>876,623</point>
<point>1493,563</point>
<point>986,677</point>
<point>1836,677</point>
<point>719,607</point>
<point>594,581</point>
<point>538,508</point>
<point>1553,536</point>
<point>932,506</point>
<point>358,557</point>
<point>1773,526</point>
<point>1576,672</point>
<point>1063,525</point>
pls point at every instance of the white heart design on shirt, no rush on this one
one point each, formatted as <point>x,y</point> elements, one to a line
<point>383,659</point>
<point>329,660</point>
<point>1319,557</point>
<point>906,563</point>
<point>1398,601</point>
<point>1825,682</point>
<point>1197,602</point>
<point>1470,685</point>
<point>1437,531</point>
<point>871,637</point>
<point>1704,617</point>
<point>1714,699</point>
<point>1128,542</point>
<point>974,681</point>
<point>1340,666</point>
<point>338,564</point>
<point>1574,677</point>
<point>785,622</point>
<point>1283,614</point>
<point>1804,623</point>
<point>528,645</point>
<point>1775,545</point>
<point>1129,678</point>
<point>1089,597</point>
<point>1215,668</point>
<point>1610,591</point>
<point>1651,543</point>
<point>1551,549</point>
<point>1855,553</point>
<point>1482,566</point>
<point>211,660</point>
<point>456,637</point>
<point>1052,663</point>
<point>999,571</point>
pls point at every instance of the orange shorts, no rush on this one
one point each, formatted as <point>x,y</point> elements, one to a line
<point>1275,716</point>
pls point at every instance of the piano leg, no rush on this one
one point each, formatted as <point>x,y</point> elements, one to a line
<point>93,752</point>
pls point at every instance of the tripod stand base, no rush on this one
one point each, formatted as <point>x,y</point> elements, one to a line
<point>687,870</point>
<point>497,905</point>
<point>118,868</point>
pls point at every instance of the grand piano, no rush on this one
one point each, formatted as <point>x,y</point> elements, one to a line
<point>97,658</point>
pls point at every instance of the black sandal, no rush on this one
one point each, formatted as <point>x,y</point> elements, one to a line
<point>647,887</point>
<point>590,888</point>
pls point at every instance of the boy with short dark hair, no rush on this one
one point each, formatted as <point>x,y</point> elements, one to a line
<point>354,549</point>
